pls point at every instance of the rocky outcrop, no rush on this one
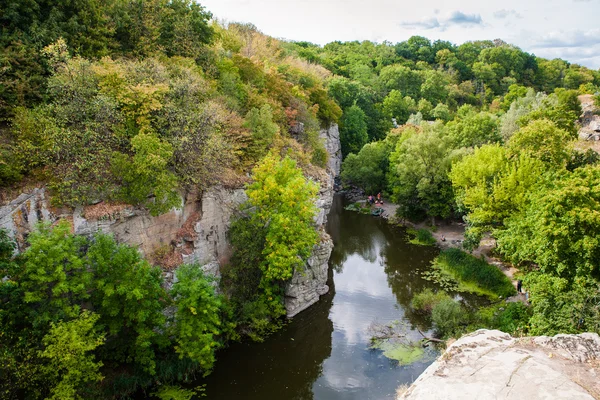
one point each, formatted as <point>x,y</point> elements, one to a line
<point>589,119</point>
<point>334,148</point>
<point>310,282</point>
<point>489,364</point>
<point>196,232</point>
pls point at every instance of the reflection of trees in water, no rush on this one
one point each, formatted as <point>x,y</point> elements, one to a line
<point>285,366</point>
<point>403,265</point>
<point>352,234</point>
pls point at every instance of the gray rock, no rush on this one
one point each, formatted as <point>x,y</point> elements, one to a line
<point>489,364</point>
<point>308,284</point>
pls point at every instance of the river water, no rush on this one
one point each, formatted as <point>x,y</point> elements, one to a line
<point>323,353</point>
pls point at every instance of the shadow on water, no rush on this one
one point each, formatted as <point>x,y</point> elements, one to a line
<point>323,352</point>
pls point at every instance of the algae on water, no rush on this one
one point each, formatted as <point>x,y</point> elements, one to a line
<point>404,353</point>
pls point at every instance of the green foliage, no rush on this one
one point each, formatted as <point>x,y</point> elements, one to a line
<point>542,140</point>
<point>474,129</point>
<point>169,392</point>
<point>448,316</point>
<point>270,243</point>
<point>426,300</point>
<point>423,237</point>
<point>284,206</point>
<point>368,168</point>
<point>559,229</point>
<point>563,307</point>
<point>68,347</point>
<point>474,274</point>
<point>146,174</point>
<point>353,130</point>
<point>260,122</point>
<point>130,300</point>
<point>397,106</point>
<point>491,188</point>
<point>54,277</point>
<point>197,319</point>
<point>418,177</point>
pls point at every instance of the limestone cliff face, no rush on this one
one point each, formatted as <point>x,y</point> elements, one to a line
<point>493,365</point>
<point>196,232</point>
<point>310,282</point>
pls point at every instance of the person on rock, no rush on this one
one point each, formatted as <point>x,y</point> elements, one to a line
<point>519,286</point>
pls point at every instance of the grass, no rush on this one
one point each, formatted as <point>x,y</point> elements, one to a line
<point>422,237</point>
<point>473,274</point>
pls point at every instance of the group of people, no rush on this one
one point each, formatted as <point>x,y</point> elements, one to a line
<point>375,200</point>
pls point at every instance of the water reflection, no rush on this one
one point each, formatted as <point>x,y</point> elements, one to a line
<point>323,353</point>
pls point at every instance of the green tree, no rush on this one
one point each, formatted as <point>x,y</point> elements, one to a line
<point>146,174</point>
<point>128,295</point>
<point>353,130</point>
<point>197,324</point>
<point>399,107</point>
<point>54,277</point>
<point>419,169</point>
<point>402,79</point>
<point>541,139</point>
<point>368,168</point>
<point>559,229</point>
<point>260,122</point>
<point>68,346</point>
<point>474,129</point>
<point>284,202</point>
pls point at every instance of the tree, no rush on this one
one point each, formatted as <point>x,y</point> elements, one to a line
<point>284,206</point>
<point>491,188</point>
<point>434,87</point>
<point>368,168</point>
<point>68,346</point>
<point>54,277</point>
<point>146,174</point>
<point>402,79</point>
<point>197,325</point>
<point>260,122</point>
<point>398,107</point>
<point>419,169</point>
<point>353,130</point>
<point>474,129</point>
<point>559,230</point>
<point>128,295</point>
<point>541,139</point>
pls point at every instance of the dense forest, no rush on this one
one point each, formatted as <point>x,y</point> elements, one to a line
<point>484,133</point>
<point>136,101</point>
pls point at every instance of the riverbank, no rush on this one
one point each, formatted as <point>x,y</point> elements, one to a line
<point>452,235</point>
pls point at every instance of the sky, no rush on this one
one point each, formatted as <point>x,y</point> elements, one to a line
<point>568,29</point>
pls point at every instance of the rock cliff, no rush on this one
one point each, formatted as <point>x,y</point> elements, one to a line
<point>309,283</point>
<point>196,232</point>
<point>493,365</point>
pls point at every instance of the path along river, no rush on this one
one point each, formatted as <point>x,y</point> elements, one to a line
<point>323,353</point>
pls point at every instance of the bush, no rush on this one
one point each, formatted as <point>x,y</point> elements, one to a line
<point>423,237</point>
<point>448,316</point>
<point>426,300</point>
<point>474,274</point>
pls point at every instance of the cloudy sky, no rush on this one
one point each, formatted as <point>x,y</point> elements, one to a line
<point>568,29</point>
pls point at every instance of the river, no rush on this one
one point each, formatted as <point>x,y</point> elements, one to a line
<point>323,353</point>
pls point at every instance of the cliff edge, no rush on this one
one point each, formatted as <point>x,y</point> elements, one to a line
<point>489,364</point>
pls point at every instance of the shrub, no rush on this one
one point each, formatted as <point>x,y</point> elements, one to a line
<point>474,274</point>
<point>423,237</point>
<point>426,300</point>
<point>448,316</point>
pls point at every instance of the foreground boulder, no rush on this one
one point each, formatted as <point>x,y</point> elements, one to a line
<point>489,364</point>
